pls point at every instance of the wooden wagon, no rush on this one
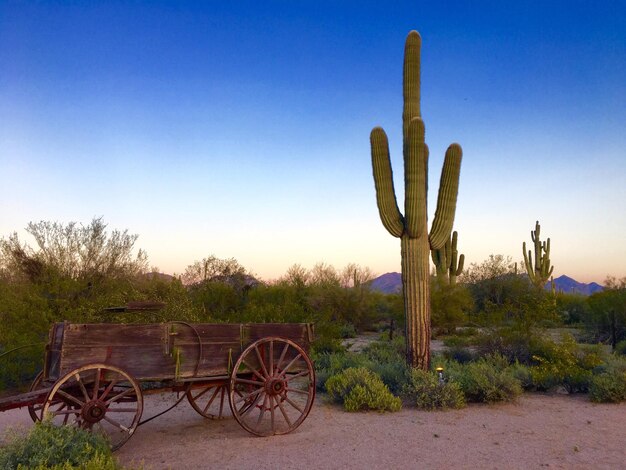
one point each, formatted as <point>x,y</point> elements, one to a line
<point>95,375</point>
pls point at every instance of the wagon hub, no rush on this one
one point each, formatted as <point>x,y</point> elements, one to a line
<point>93,411</point>
<point>275,386</point>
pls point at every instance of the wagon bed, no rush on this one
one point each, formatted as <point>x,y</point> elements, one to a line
<point>95,374</point>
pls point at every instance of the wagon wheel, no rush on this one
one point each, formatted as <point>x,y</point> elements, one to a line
<point>35,410</point>
<point>98,397</point>
<point>272,387</point>
<point>209,400</point>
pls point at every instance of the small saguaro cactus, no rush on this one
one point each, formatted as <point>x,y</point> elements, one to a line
<point>541,271</point>
<point>447,261</point>
<point>412,227</point>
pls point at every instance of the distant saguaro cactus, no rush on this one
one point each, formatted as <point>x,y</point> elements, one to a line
<point>412,227</point>
<point>541,271</point>
<point>447,261</point>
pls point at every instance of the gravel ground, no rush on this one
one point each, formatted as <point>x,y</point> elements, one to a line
<point>538,431</point>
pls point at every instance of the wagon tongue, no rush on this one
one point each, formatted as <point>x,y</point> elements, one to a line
<point>24,399</point>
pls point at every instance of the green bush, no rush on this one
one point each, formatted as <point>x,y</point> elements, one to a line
<point>347,330</point>
<point>386,358</point>
<point>608,388</point>
<point>423,389</point>
<point>516,344</point>
<point>393,374</point>
<point>361,389</point>
<point>565,364</point>
<point>460,354</point>
<point>620,348</point>
<point>329,364</point>
<point>386,351</point>
<point>47,446</point>
<point>459,341</point>
<point>487,380</point>
<point>523,374</point>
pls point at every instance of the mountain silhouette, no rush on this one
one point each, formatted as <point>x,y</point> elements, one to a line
<point>391,283</point>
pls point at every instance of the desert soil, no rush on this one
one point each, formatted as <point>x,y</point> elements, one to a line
<point>538,431</point>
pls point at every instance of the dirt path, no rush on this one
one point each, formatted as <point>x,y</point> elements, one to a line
<point>539,431</point>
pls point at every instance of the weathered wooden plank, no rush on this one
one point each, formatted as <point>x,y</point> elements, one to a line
<point>161,350</point>
<point>146,362</point>
<point>111,334</point>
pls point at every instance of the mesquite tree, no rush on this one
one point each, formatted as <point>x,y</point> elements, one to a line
<point>412,227</point>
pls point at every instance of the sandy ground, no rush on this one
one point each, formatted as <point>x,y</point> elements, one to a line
<point>538,431</point>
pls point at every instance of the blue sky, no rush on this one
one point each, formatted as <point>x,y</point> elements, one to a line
<point>241,129</point>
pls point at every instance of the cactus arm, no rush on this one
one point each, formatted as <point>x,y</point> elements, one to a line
<point>415,180</point>
<point>446,200</point>
<point>383,179</point>
<point>461,264</point>
<point>411,82</point>
<point>528,262</point>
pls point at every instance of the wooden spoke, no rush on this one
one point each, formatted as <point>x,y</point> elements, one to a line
<point>116,424</point>
<point>70,398</point>
<point>96,385</point>
<point>211,400</point>
<point>254,371</point>
<point>252,405</point>
<point>262,362</point>
<point>280,402</point>
<point>206,402</point>
<point>282,374</point>
<point>288,400</point>
<point>82,387</point>
<point>250,382</point>
<point>89,407</point>
<point>282,410</point>
<point>120,395</point>
<point>282,356</point>
<point>65,412</point>
<point>304,373</point>
<point>246,397</point>
<point>272,357</point>
<point>260,418</point>
<point>108,389</point>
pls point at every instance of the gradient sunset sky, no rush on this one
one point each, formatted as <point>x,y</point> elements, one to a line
<point>241,129</point>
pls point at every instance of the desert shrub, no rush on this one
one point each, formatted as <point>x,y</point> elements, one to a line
<point>423,389</point>
<point>514,343</point>
<point>459,341</point>
<point>608,387</point>
<point>620,348</point>
<point>565,364</point>
<point>487,380</point>
<point>523,374</point>
<point>329,364</point>
<point>326,345</point>
<point>460,354</point>
<point>347,330</point>
<point>393,374</point>
<point>47,446</point>
<point>386,351</point>
<point>361,389</point>
<point>386,358</point>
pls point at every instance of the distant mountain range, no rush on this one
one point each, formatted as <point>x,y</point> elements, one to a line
<point>391,283</point>
<point>568,285</point>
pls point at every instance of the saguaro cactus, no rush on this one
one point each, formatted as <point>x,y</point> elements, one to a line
<point>412,227</point>
<point>447,261</point>
<point>541,272</point>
